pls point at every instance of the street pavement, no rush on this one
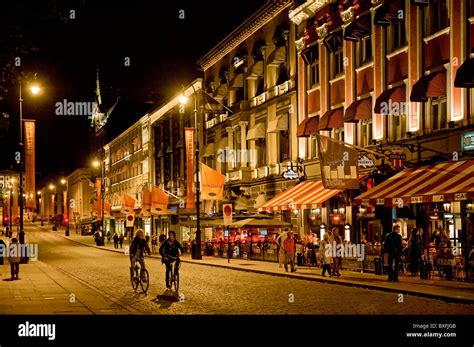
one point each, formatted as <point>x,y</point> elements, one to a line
<point>99,282</point>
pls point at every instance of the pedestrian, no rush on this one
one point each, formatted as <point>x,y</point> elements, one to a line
<point>109,236</point>
<point>393,246</point>
<point>281,254</point>
<point>121,238</point>
<point>415,251</point>
<point>289,248</point>
<point>154,243</point>
<point>14,258</point>
<point>337,259</point>
<point>116,240</point>
<point>3,248</point>
<point>325,255</point>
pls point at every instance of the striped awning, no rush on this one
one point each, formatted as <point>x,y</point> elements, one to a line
<point>449,181</point>
<point>305,195</point>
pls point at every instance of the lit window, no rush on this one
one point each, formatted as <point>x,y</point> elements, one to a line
<point>438,113</point>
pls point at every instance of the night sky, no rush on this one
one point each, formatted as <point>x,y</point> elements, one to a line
<point>65,53</point>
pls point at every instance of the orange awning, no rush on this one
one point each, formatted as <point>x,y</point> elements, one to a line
<point>308,127</point>
<point>389,97</point>
<point>332,119</point>
<point>448,181</point>
<point>432,85</point>
<point>305,195</point>
<point>359,110</point>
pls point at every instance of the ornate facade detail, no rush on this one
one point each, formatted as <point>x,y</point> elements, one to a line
<point>306,10</point>
<point>376,3</point>
<point>347,15</point>
<point>322,31</point>
<point>300,44</point>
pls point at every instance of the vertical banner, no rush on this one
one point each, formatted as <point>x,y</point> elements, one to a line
<point>189,141</point>
<point>339,164</point>
<point>98,187</point>
<point>16,193</point>
<point>29,139</point>
<point>65,204</point>
<point>212,184</point>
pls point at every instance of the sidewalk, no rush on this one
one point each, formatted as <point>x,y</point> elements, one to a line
<point>449,291</point>
<point>42,289</point>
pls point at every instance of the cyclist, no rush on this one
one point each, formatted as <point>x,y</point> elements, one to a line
<point>169,252</point>
<point>138,248</point>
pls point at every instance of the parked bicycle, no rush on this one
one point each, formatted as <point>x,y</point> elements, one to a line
<point>139,276</point>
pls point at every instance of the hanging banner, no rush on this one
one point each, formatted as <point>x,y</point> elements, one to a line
<point>29,140</point>
<point>128,204</point>
<point>98,187</point>
<point>339,164</point>
<point>146,201</point>
<point>159,201</point>
<point>212,184</point>
<point>189,143</point>
<point>15,192</point>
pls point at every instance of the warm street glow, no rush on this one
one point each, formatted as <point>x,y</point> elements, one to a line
<point>35,89</point>
<point>38,192</point>
<point>183,100</point>
<point>51,186</point>
<point>95,163</point>
<point>63,181</point>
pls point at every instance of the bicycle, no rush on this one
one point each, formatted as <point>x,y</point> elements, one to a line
<point>137,275</point>
<point>175,272</point>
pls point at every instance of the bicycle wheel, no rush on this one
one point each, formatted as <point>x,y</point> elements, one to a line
<point>134,279</point>
<point>176,280</point>
<point>146,284</point>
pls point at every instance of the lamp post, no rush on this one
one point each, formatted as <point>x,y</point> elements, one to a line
<point>100,164</point>
<point>35,90</point>
<point>66,182</point>
<point>52,187</point>
<point>183,100</point>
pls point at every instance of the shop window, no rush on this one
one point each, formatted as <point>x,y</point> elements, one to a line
<point>436,16</point>
<point>283,74</point>
<point>339,134</point>
<point>314,147</point>
<point>284,145</point>
<point>438,113</point>
<point>337,63</point>
<point>366,133</point>
<point>364,51</point>
<point>397,35</point>
<point>398,127</point>
<point>261,149</point>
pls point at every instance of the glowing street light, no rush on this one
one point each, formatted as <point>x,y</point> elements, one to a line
<point>35,90</point>
<point>183,99</point>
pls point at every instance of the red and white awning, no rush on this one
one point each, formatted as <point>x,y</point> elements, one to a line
<point>305,195</point>
<point>451,181</point>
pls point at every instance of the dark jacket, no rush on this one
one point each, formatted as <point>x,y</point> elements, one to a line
<point>170,249</point>
<point>393,244</point>
<point>139,244</point>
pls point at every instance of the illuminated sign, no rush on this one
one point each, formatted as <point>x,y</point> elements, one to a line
<point>290,174</point>
<point>468,141</point>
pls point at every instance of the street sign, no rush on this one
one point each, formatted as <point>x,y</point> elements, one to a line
<point>227,211</point>
<point>129,220</point>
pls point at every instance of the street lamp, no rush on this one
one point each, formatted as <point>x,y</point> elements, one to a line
<point>35,90</point>
<point>66,182</point>
<point>52,187</point>
<point>100,163</point>
<point>183,100</point>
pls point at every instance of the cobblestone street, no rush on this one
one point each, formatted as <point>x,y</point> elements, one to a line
<point>213,290</point>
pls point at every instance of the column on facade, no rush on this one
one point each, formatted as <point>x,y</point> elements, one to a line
<point>379,62</point>
<point>230,153</point>
<point>415,41</point>
<point>243,143</point>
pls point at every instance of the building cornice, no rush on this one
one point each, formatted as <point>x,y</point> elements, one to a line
<point>243,32</point>
<point>306,10</point>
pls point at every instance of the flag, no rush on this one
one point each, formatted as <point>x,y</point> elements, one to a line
<point>128,204</point>
<point>30,164</point>
<point>97,208</point>
<point>189,143</point>
<point>146,200</point>
<point>159,201</point>
<point>339,164</point>
<point>98,187</point>
<point>212,184</point>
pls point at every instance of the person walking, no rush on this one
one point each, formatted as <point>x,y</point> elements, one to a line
<point>121,238</point>
<point>289,248</point>
<point>415,251</point>
<point>3,248</point>
<point>14,258</point>
<point>109,236</point>
<point>325,254</point>
<point>336,260</point>
<point>393,246</point>
<point>281,253</point>
<point>116,240</point>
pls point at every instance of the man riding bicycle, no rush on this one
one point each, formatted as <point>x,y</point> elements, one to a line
<point>169,252</point>
<point>138,248</point>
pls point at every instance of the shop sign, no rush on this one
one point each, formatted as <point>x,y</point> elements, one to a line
<point>460,196</point>
<point>380,201</point>
<point>438,198</point>
<point>290,174</point>
<point>396,153</point>
<point>468,141</point>
<point>129,220</point>
<point>227,213</point>
<point>365,162</point>
<point>416,199</point>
